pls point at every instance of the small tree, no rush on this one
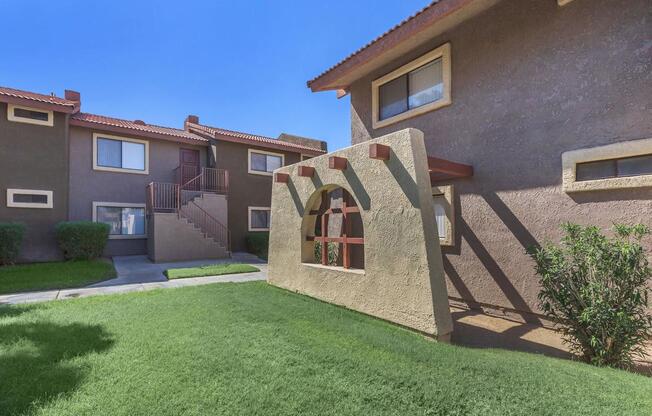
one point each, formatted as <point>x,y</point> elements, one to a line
<point>596,289</point>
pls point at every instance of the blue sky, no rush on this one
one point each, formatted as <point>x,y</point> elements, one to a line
<point>238,65</point>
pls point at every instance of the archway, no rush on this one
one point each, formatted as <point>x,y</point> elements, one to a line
<point>332,230</point>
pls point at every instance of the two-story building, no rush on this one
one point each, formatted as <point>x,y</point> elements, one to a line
<point>550,103</point>
<point>171,193</point>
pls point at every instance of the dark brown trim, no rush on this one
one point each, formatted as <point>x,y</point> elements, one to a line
<point>379,151</point>
<point>338,163</point>
<point>306,171</point>
<point>26,102</point>
<point>449,168</point>
<point>281,178</point>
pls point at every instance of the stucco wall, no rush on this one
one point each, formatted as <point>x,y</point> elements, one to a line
<point>530,80</point>
<point>403,279</point>
<point>245,189</point>
<point>88,185</point>
<point>34,157</point>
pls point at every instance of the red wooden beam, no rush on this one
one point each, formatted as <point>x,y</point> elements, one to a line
<point>378,151</point>
<point>335,211</point>
<point>282,178</point>
<point>349,240</point>
<point>306,171</point>
<point>449,168</point>
<point>339,163</point>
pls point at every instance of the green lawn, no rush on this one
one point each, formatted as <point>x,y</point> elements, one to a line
<point>212,270</point>
<point>60,275</point>
<point>251,349</point>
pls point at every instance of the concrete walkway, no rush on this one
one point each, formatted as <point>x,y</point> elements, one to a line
<point>137,273</point>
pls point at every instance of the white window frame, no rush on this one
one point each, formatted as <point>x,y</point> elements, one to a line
<point>12,191</point>
<point>611,151</point>
<point>124,139</point>
<point>443,52</point>
<point>97,204</point>
<point>249,209</point>
<point>262,152</point>
<point>11,117</point>
<point>447,192</point>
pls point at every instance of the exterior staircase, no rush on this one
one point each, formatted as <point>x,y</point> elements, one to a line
<point>186,221</point>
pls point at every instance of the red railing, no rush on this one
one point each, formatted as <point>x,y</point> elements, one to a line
<point>178,198</point>
<point>208,224</point>
<point>207,180</point>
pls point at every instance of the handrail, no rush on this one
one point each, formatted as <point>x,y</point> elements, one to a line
<point>208,224</point>
<point>208,180</point>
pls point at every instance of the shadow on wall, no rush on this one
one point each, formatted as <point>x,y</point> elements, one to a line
<point>38,360</point>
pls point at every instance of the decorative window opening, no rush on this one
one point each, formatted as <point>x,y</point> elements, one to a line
<point>442,199</point>
<point>30,115</point>
<point>29,198</point>
<point>335,234</point>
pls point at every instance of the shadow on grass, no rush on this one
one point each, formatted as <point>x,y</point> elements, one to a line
<point>38,363</point>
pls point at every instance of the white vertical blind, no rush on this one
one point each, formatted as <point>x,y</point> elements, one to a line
<point>440,215</point>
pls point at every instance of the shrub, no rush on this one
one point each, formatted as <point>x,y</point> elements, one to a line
<point>11,238</point>
<point>596,288</point>
<point>258,243</point>
<point>333,252</point>
<point>82,240</point>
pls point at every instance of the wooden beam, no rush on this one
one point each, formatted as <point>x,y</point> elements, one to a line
<point>282,178</point>
<point>449,168</point>
<point>341,93</point>
<point>335,211</point>
<point>349,240</point>
<point>379,151</point>
<point>339,163</point>
<point>306,171</point>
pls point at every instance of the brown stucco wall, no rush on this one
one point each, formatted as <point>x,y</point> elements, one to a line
<point>530,80</point>
<point>88,185</point>
<point>245,189</point>
<point>35,157</point>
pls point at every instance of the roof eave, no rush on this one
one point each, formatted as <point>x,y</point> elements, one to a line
<point>134,132</point>
<point>27,102</point>
<point>428,23</point>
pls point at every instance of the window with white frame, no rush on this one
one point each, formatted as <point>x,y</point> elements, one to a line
<point>29,198</point>
<point>259,218</point>
<point>30,115</point>
<point>415,88</point>
<point>263,163</point>
<point>126,220</point>
<point>626,164</point>
<point>442,199</point>
<point>120,154</point>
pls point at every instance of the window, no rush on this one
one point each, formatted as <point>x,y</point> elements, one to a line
<point>264,163</point>
<point>30,115</point>
<point>259,218</point>
<point>125,220</point>
<point>420,86</point>
<point>619,165</point>
<point>614,168</point>
<point>305,157</point>
<point>29,198</point>
<point>120,154</point>
<point>443,204</point>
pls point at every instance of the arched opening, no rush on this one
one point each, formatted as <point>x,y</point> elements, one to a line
<point>332,230</point>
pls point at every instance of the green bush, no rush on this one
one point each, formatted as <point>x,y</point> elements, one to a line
<point>596,289</point>
<point>333,253</point>
<point>82,240</point>
<point>11,238</point>
<point>258,243</point>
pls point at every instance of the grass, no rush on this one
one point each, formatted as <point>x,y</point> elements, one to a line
<point>59,275</point>
<point>212,270</point>
<point>251,349</point>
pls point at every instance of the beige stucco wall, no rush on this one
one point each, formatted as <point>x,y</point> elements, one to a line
<point>403,279</point>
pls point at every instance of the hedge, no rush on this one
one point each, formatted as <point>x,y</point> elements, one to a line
<point>82,240</point>
<point>11,239</point>
<point>258,243</point>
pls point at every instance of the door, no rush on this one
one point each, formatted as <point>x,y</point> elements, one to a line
<point>189,162</point>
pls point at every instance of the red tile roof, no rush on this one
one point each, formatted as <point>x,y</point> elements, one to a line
<point>425,17</point>
<point>149,130</point>
<point>15,96</point>
<point>253,139</point>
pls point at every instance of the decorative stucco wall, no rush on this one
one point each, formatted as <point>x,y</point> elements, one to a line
<point>403,279</point>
